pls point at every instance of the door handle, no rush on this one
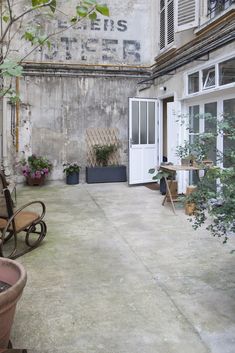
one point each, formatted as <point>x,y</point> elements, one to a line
<point>131,142</point>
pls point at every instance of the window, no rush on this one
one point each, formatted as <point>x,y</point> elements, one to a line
<point>203,117</point>
<point>228,141</point>
<point>215,7</point>
<point>227,72</point>
<point>193,82</point>
<point>194,128</point>
<point>208,77</point>
<point>220,74</point>
<point>187,12</point>
<point>166,23</point>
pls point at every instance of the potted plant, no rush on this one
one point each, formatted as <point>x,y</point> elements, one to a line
<point>196,151</point>
<point>71,171</point>
<point>35,169</point>
<point>184,152</point>
<point>104,171</point>
<point>12,282</point>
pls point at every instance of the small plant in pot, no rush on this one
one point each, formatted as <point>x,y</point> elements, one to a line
<point>184,152</point>
<point>35,169</point>
<point>196,151</point>
<point>71,171</point>
<point>104,171</point>
<point>103,153</point>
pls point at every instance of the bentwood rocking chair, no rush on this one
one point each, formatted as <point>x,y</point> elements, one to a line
<point>13,222</point>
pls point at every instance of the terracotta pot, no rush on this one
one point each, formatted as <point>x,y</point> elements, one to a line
<point>35,181</point>
<point>13,274</point>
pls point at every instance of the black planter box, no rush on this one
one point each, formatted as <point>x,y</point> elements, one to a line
<point>109,174</point>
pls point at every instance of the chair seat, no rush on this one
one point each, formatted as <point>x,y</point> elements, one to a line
<point>22,220</point>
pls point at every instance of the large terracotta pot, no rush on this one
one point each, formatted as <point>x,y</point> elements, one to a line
<point>13,274</point>
<point>35,181</point>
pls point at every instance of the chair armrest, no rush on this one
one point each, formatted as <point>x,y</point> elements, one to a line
<point>29,204</point>
<point>11,219</point>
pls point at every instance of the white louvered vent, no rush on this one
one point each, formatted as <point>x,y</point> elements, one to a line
<point>187,14</point>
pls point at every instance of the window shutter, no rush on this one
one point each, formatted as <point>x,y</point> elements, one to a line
<point>170,22</point>
<point>162,24</point>
<point>186,14</point>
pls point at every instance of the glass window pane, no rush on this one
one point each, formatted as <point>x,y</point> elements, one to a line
<point>135,123</point>
<point>227,72</point>
<point>143,122</point>
<point>151,106</point>
<point>194,119</point>
<point>193,82</point>
<point>228,142</point>
<point>208,76</point>
<point>211,126</point>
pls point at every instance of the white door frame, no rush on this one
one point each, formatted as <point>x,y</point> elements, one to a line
<point>138,152</point>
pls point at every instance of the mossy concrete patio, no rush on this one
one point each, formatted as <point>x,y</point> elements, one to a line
<point>119,273</point>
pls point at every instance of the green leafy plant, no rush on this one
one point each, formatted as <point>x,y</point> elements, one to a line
<point>35,166</point>
<point>70,168</point>
<point>159,174</point>
<point>198,149</point>
<point>103,153</point>
<point>214,197</point>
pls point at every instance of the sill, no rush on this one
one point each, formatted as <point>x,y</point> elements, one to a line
<point>164,53</point>
<point>213,22</point>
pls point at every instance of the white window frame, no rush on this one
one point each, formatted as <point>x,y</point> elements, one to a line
<point>201,102</point>
<point>200,69</point>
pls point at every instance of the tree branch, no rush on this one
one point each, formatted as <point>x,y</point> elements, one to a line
<point>9,9</point>
<point>15,19</point>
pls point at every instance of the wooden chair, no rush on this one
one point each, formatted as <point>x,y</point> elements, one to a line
<point>13,222</point>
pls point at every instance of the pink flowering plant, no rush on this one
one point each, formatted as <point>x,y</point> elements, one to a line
<point>36,166</point>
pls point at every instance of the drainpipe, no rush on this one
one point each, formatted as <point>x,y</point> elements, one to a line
<point>5,165</point>
<point>17,115</point>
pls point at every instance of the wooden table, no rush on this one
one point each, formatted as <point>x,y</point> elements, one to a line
<point>173,169</point>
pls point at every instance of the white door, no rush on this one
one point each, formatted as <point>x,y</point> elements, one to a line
<point>173,131</point>
<point>144,152</point>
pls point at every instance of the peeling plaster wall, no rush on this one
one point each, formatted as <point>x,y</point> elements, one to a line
<point>58,110</point>
<point>122,38</point>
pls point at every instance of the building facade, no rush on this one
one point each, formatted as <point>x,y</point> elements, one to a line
<point>194,72</point>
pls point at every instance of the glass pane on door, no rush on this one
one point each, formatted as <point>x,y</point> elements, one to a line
<point>228,142</point>
<point>143,123</point>
<point>211,126</point>
<point>151,110</point>
<point>135,123</point>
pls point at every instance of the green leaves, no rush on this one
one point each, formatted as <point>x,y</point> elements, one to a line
<point>102,9</point>
<point>103,153</point>
<point>10,68</point>
<point>34,36</point>
<point>90,8</point>
<point>93,16</point>
<point>51,4</point>
<point>6,18</point>
<point>82,11</point>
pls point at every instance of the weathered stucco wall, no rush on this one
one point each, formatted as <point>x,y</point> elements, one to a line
<point>122,38</point>
<point>56,112</point>
<point>58,106</point>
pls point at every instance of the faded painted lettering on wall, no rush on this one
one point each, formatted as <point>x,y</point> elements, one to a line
<point>108,47</point>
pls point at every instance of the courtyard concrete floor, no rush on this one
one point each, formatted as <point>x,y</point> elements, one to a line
<point>119,273</point>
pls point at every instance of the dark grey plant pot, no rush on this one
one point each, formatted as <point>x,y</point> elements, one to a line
<point>109,174</point>
<point>72,179</point>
